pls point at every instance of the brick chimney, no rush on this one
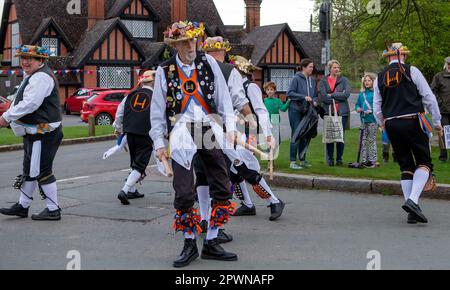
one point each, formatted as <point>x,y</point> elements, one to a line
<point>253,14</point>
<point>178,10</point>
<point>96,12</point>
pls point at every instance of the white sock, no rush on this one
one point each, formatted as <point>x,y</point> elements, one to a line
<point>212,233</point>
<point>204,202</point>
<point>272,198</point>
<point>420,179</point>
<point>51,191</point>
<point>131,180</point>
<point>247,200</point>
<point>29,187</point>
<point>189,236</point>
<point>406,188</point>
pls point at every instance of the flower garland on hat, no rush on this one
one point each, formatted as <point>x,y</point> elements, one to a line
<point>33,51</point>
<point>216,43</point>
<point>183,30</point>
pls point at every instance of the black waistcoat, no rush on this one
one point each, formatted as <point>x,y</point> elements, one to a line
<point>50,109</point>
<point>205,79</point>
<point>399,93</point>
<point>136,118</point>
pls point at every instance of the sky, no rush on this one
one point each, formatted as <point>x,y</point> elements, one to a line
<point>295,12</point>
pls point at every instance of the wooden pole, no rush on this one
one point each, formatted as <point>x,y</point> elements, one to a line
<point>91,122</point>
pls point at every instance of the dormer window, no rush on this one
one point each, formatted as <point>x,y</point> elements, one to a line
<point>139,28</point>
<point>52,43</point>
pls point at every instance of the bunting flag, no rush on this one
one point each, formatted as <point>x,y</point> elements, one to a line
<point>19,72</point>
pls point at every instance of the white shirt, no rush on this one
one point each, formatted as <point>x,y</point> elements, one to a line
<point>118,123</point>
<point>428,98</point>
<point>39,87</point>
<point>256,98</point>
<point>237,90</point>
<point>194,112</point>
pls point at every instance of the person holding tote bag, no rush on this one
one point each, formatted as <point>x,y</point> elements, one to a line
<point>334,94</point>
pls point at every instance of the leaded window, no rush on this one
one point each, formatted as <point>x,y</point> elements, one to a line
<point>114,77</point>
<point>282,78</point>
<point>52,44</point>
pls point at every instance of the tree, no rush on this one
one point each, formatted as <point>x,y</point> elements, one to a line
<point>359,35</point>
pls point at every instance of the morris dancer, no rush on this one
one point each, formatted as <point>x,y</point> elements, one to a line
<point>249,171</point>
<point>36,115</point>
<point>133,119</point>
<point>401,96</point>
<point>189,89</point>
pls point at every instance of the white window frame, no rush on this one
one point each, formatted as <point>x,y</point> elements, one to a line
<point>284,80</point>
<point>15,42</point>
<point>136,31</point>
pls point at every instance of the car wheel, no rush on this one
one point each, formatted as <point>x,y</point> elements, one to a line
<point>103,119</point>
<point>66,109</point>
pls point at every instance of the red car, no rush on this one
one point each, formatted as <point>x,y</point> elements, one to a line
<point>74,103</point>
<point>103,106</point>
<point>4,105</point>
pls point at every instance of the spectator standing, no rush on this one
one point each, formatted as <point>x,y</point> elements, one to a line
<point>302,93</point>
<point>441,89</point>
<point>335,87</point>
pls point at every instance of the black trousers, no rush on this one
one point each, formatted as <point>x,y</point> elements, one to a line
<point>200,174</point>
<point>141,148</point>
<point>213,164</point>
<point>410,144</point>
<point>38,163</point>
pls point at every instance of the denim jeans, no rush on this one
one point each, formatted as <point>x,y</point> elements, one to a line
<point>299,149</point>
<point>339,146</point>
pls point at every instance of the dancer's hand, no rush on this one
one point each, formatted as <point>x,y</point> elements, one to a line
<point>439,130</point>
<point>308,99</point>
<point>231,137</point>
<point>117,133</point>
<point>161,154</point>
<point>271,142</point>
<point>3,123</point>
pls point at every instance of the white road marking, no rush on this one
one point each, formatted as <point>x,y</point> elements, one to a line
<point>72,179</point>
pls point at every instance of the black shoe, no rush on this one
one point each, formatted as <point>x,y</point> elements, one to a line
<point>213,251</point>
<point>330,163</point>
<point>134,195</point>
<point>189,254</point>
<point>245,210</point>
<point>123,197</point>
<point>16,210</point>
<point>47,215</point>
<point>223,237</point>
<point>414,209</point>
<point>204,226</point>
<point>411,219</point>
<point>276,209</point>
<point>339,163</point>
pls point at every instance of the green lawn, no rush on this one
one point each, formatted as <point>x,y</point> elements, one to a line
<point>316,153</point>
<point>7,137</point>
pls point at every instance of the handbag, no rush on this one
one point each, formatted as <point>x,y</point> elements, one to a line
<point>333,131</point>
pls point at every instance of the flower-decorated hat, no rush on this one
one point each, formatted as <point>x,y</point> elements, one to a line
<point>32,51</point>
<point>183,30</point>
<point>243,65</point>
<point>147,76</point>
<point>395,47</point>
<point>216,44</point>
